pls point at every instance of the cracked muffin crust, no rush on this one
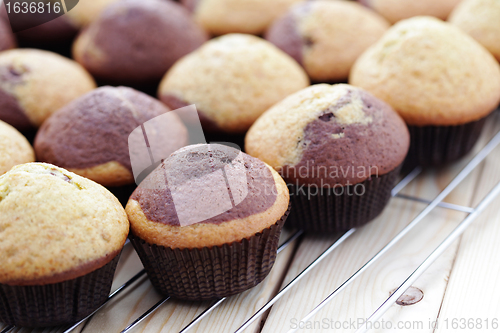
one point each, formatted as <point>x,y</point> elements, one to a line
<point>55,225</point>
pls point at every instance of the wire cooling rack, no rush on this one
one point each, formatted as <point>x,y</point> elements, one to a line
<point>472,214</point>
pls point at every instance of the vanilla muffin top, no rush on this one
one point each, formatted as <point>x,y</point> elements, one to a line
<point>481,20</point>
<point>221,17</point>
<point>327,36</point>
<point>329,135</point>
<point>90,136</point>
<point>396,10</point>
<point>431,73</point>
<point>85,12</point>
<point>232,80</point>
<point>35,83</point>
<point>14,148</point>
<point>137,41</point>
<point>55,225</point>
<point>7,40</point>
<point>207,195</point>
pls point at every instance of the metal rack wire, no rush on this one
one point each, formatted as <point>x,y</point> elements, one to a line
<point>431,205</point>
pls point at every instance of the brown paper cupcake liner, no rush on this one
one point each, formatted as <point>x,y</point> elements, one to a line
<point>58,303</point>
<point>341,208</point>
<point>210,273</point>
<point>439,145</point>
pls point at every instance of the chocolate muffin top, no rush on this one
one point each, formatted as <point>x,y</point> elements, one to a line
<point>7,40</point>
<point>481,20</point>
<point>137,41</point>
<point>90,135</point>
<point>396,10</point>
<point>207,195</point>
<point>35,83</point>
<point>326,36</point>
<point>232,79</point>
<point>221,17</point>
<point>431,73</point>
<point>55,225</point>
<point>327,135</point>
<point>14,148</point>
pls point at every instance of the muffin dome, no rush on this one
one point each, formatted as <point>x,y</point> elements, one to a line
<point>431,73</point>
<point>7,40</point>
<point>34,84</point>
<point>137,41</point>
<point>326,36</point>
<point>90,135</point>
<point>396,10</point>
<point>259,198</point>
<point>228,16</point>
<point>327,135</point>
<point>14,148</point>
<point>232,80</point>
<point>56,225</point>
<point>481,20</point>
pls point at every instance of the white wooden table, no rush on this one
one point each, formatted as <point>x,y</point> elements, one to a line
<point>461,285</point>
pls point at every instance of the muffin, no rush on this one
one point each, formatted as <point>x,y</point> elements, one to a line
<point>14,148</point>
<point>221,17</point>
<point>35,83</point>
<point>90,136</point>
<point>441,81</point>
<point>326,36</point>
<point>85,12</point>
<point>61,239</point>
<point>232,80</point>
<point>136,42</point>
<point>207,221</point>
<point>397,10</point>
<point>7,40</point>
<point>340,150</point>
<point>481,20</point>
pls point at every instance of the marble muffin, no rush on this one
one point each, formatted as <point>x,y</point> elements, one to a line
<point>35,83</point>
<point>7,40</point>
<point>326,36</point>
<point>327,141</point>
<point>14,148</point>
<point>206,222</point>
<point>440,80</point>
<point>397,10</point>
<point>481,20</point>
<point>136,42</point>
<point>61,238</point>
<point>90,135</point>
<point>232,80</point>
<point>221,17</point>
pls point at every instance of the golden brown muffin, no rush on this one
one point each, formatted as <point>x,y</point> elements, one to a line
<point>35,83</point>
<point>14,148</point>
<point>61,237</point>
<point>327,36</point>
<point>90,135</point>
<point>136,42</point>
<point>481,20</point>
<point>232,80</point>
<point>221,17</point>
<point>396,10</point>
<point>431,73</point>
<point>338,147</point>
<point>210,201</point>
<point>7,40</point>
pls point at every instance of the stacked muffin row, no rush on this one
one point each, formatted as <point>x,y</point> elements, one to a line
<point>206,221</point>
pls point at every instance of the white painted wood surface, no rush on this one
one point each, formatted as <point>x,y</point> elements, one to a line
<point>461,284</point>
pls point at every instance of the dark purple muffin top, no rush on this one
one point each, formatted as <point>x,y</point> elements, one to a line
<point>137,41</point>
<point>330,135</point>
